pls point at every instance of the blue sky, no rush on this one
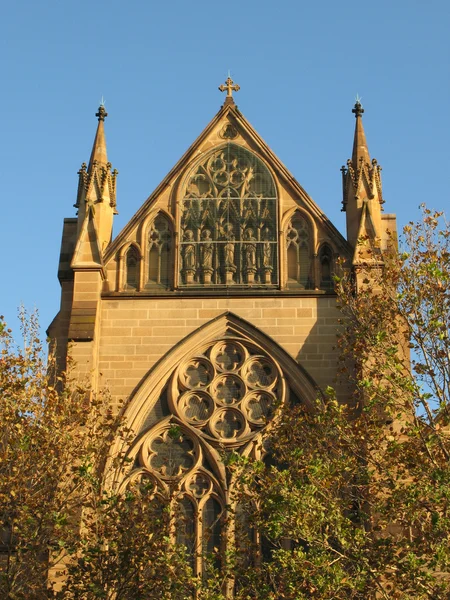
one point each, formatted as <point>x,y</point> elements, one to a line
<point>158,66</point>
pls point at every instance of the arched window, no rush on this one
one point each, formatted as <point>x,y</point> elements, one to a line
<point>220,398</point>
<point>228,224</point>
<point>211,532</point>
<point>185,528</point>
<point>326,267</point>
<point>298,250</point>
<point>159,253</point>
<point>132,269</point>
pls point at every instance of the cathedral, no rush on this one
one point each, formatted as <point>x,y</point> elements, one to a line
<point>214,305</point>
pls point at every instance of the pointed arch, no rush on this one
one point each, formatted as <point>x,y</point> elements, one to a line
<point>157,233</point>
<point>224,385</point>
<point>299,251</point>
<point>129,259</point>
<point>132,268</point>
<point>228,221</point>
<point>327,266</point>
<point>226,325</point>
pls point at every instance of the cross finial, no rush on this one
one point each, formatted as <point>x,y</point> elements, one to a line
<point>358,110</point>
<point>229,86</point>
<point>101,114</point>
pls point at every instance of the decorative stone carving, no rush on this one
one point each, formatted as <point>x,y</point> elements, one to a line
<point>298,249</point>
<point>227,393</point>
<point>189,262</point>
<point>250,255</point>
<point>207,250</point>
<point>228,132</point>
<point>267,256</point>
<point>229,266</point>
<point>229,214</point>
<point>171,455</point>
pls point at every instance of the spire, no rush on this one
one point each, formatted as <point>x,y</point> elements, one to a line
<point>99,148</point>
<point>360,150</point>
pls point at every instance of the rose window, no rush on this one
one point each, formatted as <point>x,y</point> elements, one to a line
<point>228,392</point>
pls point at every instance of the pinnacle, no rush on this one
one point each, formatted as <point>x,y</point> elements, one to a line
<point>99,153</point>
<point>360,153</point>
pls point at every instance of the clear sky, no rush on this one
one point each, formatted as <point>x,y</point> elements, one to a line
<point>158,65</point>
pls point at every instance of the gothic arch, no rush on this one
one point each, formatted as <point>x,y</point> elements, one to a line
<point>300,234</point>
<point>197,161</point>
<point>157,234</point>
<point>287,217</point>
<point>154,212</point>
<point>122,267</point>
<point>228,221</point>
<point>221,327</point>
<point>220,387</point>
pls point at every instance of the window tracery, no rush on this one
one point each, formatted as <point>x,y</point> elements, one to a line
<point>159,252</point>
<point>227,393</point>
<point>219,398</point>
<point>228,226</point>
<point>132,268</point>
<point>298,250</point>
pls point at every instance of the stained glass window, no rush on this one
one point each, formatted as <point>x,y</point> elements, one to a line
<point>228,229</point>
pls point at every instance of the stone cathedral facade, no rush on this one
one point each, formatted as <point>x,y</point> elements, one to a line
<point>213,305</point>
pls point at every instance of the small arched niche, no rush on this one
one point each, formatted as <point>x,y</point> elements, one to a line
<point>132,268</point>
<point>298,252</point>
<point>326,263</point>
<point>159,253</point>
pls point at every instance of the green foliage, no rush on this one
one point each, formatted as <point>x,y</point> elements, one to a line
<point>53,435</point>
<point>64,533</point>
<point>355,501</point>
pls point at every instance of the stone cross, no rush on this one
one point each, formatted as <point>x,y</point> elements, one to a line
<point>229,87</point>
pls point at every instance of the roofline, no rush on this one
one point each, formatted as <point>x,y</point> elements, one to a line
<point>280,169</point>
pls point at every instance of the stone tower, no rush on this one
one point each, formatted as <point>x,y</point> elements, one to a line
<point>214,303</point>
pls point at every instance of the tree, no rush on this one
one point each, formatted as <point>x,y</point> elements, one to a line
<point>355,500</point>
<point>352,501</point>
<point>53,434</point>
<point>64,533</point>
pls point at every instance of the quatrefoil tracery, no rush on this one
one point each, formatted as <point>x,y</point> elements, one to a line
<point>169,453</point>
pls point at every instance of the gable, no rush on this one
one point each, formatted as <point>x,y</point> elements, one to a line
<point>259,202</point>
